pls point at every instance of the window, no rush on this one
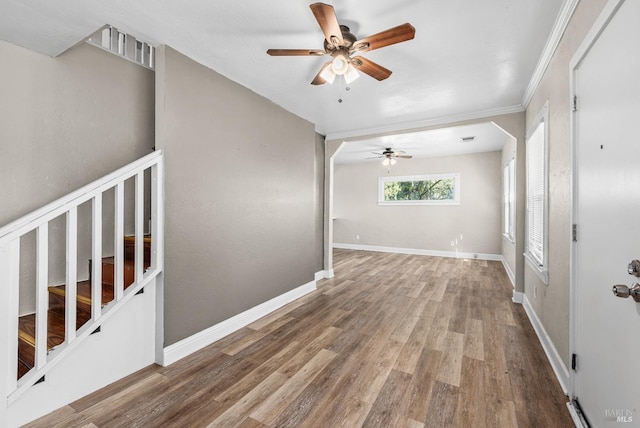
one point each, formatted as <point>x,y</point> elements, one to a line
<point>536,240</point>
<point>433,189</point>
<point>508,198</point>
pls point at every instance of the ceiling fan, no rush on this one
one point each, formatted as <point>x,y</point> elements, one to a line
<point>390,156</point>
<point>341,45</point>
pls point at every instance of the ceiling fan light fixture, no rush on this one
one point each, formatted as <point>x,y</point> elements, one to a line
<point>388,161</point>
<point>351,74</point>
<point>340,64</point>
<point>328,75</point>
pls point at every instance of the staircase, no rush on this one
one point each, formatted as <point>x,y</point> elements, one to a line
<point>57,301</point>
<point>42,353</point>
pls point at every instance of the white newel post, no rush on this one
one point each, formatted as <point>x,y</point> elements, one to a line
<point>9,283</point>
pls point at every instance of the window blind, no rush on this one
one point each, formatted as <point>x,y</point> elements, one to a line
<point>536,193</point>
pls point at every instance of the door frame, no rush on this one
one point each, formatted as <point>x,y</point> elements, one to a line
<point>607,14</point>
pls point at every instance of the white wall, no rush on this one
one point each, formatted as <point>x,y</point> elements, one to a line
<point>474,226</point>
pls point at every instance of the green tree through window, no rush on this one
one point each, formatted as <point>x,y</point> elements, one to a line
<point>423,189</point>
<point>441,189</point>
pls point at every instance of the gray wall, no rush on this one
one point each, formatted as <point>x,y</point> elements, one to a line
<point>65,122</point>
<point>512,124</point>
<point>471,227</point>
<point>552,304</point>
<point>240,196</point>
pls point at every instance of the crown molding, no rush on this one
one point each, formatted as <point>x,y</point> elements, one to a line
<point>562,21</point>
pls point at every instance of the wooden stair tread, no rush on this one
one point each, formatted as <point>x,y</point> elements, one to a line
<point>23,368</point>
<point>111,260</point>
<point>84,292</point>
<point>55,329</point>
<point>55,335</point>
<point>131,239</point>
<point>56,312</point>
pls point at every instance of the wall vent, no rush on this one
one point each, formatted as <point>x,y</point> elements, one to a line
<point>125,45</point>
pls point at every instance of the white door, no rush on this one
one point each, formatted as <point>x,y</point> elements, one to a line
<point>607,212</point>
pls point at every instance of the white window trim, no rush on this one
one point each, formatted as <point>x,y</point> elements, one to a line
<point>456,185</point>
<point>509,191</point>
<point>541,270</point>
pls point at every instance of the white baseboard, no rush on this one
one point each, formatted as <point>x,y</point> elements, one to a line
<point>576,415</point>
<point>216,332</point>
<point>510,274</point>
<point>420,252</point>
<point>559,368</point>
<point>517,297</point>
<point>324,274</point>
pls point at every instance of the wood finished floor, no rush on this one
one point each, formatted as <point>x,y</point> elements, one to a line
<point>392,340</point>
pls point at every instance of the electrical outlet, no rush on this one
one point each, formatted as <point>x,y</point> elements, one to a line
<point>357,237</point>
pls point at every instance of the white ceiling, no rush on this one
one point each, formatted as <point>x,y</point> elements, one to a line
<point>468,56</point>
<point>438,142</point>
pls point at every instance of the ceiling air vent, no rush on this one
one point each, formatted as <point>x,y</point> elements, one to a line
<point>467,139</point>
<point>125,45</point>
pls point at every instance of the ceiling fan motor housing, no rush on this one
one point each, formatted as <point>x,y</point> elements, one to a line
<point>349,40</point>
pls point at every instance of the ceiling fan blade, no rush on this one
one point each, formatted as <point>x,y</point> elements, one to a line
<point>403,156</point>
<point>319,80</point>
<point>374,70</point>
<point>394,35</point>
<point>326,17</point>
<point>295,52</point>
<point>375,157</point>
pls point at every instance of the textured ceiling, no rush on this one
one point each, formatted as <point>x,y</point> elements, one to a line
<point>468,56</point>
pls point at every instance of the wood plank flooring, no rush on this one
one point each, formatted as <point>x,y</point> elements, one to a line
<point>392,340</point>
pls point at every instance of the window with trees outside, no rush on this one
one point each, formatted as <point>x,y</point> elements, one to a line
<point>432,189</point>
<point>537,233</point>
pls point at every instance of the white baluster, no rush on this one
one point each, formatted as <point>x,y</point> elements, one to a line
<point>157,215</point>
<point>139,226</point>
<point>72,275</point>
<point>118,266</point>
<point>42,294</point>
<point>96,257</point>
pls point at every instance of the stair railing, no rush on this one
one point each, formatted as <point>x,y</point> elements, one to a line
<point>38,221</point>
